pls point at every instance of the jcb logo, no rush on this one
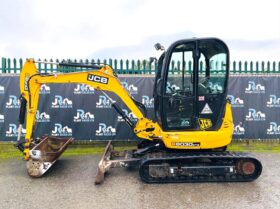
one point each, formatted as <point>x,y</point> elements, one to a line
<point>97,79</point>
<point>204,123</point>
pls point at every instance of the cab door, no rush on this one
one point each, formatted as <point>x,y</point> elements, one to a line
<point>178,94</point>
<point>213,73</point>
<point>193,94</point>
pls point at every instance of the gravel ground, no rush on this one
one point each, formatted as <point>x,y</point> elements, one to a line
<point>70,184</point>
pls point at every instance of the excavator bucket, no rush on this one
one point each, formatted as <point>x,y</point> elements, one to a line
<point>45,154</point>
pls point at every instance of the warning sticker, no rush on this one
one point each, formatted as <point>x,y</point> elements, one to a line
<point>201,98</point>
<point>206,110</point>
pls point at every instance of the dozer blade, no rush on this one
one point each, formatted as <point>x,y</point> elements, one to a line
<point>112,159</point>
<point>103,165</point>
<point>45,154</point>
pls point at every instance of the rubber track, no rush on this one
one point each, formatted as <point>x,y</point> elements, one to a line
<point>216,159</point>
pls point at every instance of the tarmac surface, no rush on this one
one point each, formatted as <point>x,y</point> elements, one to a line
<point>70,184</point>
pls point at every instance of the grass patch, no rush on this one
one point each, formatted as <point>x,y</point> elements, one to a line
<point>262,147</point>
<point>89,150</point>
<point>7,150</point>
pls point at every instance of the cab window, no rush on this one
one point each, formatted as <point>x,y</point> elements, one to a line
<point>212,69</point>
<point>179,78</point>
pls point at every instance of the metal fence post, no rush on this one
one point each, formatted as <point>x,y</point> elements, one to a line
<point>240,67</point>
<point>116,66</point>
<point>262,70</point>
<point>133,66</point>
<point>251,67</point>
<point>121,67</point>
<point>138,67</point>
<point>127,66</point>
<point>144,66</point>
<point>274,67</point>
<point>234,67</point>
<point>15,65</point>
<point>3,65</point>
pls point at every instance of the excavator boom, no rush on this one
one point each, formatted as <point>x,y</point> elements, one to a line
<point>102,79</point>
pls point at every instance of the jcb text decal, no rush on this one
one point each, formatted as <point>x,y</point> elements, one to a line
<point>204,123</point>
<point>97,79</point>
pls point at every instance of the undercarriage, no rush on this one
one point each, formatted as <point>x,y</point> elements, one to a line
<point>156,164</point>
<point>176,166</point>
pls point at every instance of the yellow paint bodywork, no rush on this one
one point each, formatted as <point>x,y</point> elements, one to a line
<point>207,139</point>
<point>31,80</point>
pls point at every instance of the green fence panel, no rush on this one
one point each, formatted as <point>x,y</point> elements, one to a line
<point>125,66</point>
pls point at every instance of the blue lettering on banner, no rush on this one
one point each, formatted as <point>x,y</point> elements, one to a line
<point>82,116</point>
<point>273,101</point>
<point>13,102</point>
<point>130,88</point>
<point>2,118</point>
<point>254,115</point>
<point>254,88</point>
<point>13,131</point>
<point>60,130</point>
<point>45,89</point>
<point>147,101</point>
<point>239,129</point>
<point>104,130</point>
<point>130,115</point>
<point>42,117</point>
<point>59,102</point>
<point>83,89</point>
<point>103,102</point>
<point>2,89</point>
<point>236,102</point>
<point>273,129</point>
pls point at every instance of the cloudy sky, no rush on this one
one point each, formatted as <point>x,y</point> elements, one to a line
<point>129,28</point>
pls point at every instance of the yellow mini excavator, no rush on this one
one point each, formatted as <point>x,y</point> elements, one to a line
<point>194,125</point>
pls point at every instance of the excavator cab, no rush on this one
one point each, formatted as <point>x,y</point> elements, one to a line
<point>191,83</point>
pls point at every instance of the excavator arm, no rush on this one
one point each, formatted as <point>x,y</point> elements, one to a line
<point>101,78</point>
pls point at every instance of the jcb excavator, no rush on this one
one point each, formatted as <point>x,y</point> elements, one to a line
<point>194,125</point>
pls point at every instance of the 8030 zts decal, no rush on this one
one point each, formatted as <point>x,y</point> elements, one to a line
<point>186,144</point>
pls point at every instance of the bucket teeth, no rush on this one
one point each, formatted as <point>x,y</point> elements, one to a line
<point>37,168</point>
